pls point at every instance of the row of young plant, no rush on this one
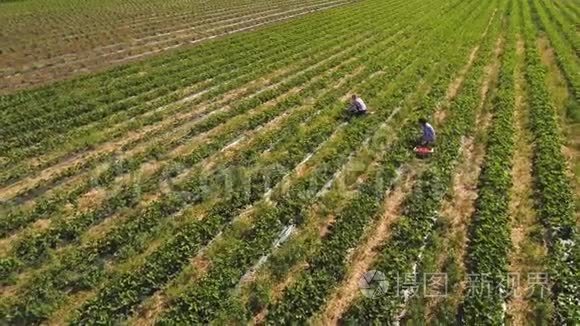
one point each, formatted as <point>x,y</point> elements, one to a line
<point>21,217</point>
<point>163,269</point>
<point>327,267</point>
<point>85,262</point>
<point>156,147</point>
<point>253,20</point>
<point>201,29</point>
<point>332,196</point>
<point>140,22</point>
<point>222,119</point>
<point>212,274</point>
<point>141,19</point>
<point>219,17</point>
<point>161,81</point>
<point>127,68</point>
<point>415,226</point>
<point>131,72</point>
<point>371,144</point>
<point>299,51</point>
<point>149,218</point>
<point>566,55</point>
<point>490,232</point>
<point>154,73</point>
<point>99,55</point>
<point>32,247</point>
<point>552,189</point>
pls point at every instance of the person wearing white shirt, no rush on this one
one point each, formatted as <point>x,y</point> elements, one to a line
<point>357,106</point>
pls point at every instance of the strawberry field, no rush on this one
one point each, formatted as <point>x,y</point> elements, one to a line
<point>189,162</point>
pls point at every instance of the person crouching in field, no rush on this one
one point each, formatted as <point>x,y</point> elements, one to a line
<point>428,136</point>
<point>357,107</point>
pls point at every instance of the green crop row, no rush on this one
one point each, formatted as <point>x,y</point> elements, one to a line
<point>566,30</point>
<point>201,124</point>
<point>88,163</point>
<point>67,122</point>
<point>568,12</point>
<point>490,237</point>
<point>85,261</point>
<point>253,243</point>
<point>553,194</point>
<point>140,102</point>
<point>72,51</point>
<point>33,247</point>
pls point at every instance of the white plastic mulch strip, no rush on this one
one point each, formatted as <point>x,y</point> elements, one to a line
<point>283,236</point>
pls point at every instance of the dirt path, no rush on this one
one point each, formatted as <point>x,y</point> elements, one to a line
<point>457,210</point>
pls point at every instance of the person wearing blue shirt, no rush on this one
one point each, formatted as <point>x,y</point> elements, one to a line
<point>429,136</point>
